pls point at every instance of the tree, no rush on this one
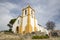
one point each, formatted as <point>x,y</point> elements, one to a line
<point>50,25</point>
<point>10,25</point>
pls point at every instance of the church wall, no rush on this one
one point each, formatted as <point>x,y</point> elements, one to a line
<point>24,22</point>
<point>31,20</point>
<point>24,19</point>
<point>16,24</point>
<point>37,25</point>
<point>32,23</point>
<point>42,29</point>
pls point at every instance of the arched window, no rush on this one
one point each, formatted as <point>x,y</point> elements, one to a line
<point>25,12</point>
<point>18,21</point>
<point>32,13</point>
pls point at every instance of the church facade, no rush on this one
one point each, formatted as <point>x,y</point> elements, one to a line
<point>27,22</point>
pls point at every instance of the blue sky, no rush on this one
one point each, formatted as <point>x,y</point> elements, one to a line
<point>45,10</point>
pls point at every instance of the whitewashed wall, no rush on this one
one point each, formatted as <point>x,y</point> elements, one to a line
<point>24,22</point>
<point>32,23</point>
<point>42,29</point>
<point>16,24</point>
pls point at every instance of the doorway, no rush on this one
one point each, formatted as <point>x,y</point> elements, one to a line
<point>17,29</point>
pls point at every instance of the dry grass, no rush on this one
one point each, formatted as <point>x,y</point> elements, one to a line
<point>10,36</point>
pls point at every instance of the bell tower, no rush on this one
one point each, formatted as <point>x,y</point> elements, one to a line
<point>29,12</point>
<point>25,11</point>
<point>28,28</point>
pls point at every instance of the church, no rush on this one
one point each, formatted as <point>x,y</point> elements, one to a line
<point>27,22</point>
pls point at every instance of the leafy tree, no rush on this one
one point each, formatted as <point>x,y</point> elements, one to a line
<point>11,24</point>
<point>10,27</point>
<point>50,25</point>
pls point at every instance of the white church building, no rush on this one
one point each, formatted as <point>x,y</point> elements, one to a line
<point>27,22</point>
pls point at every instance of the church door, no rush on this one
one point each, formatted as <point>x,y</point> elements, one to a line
<point>17,29</point>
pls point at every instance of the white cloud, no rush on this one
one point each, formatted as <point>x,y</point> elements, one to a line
<point>57,26</point>
<point>45,13</point>
<point>5,14</point>
<point>8,5</point>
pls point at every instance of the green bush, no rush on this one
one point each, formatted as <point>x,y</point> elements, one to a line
<point>40,37</point>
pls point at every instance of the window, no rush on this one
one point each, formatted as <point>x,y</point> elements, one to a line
<point>32,16</point>
<point>18,21</point>
<point>25,12</point>
<point>17,29</point>
<point>31,12</point>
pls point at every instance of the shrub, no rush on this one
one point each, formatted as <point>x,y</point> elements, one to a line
<point>54,34</point>
<point>7,32</point>
<point>40,37</point>
<point>33,33</point>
